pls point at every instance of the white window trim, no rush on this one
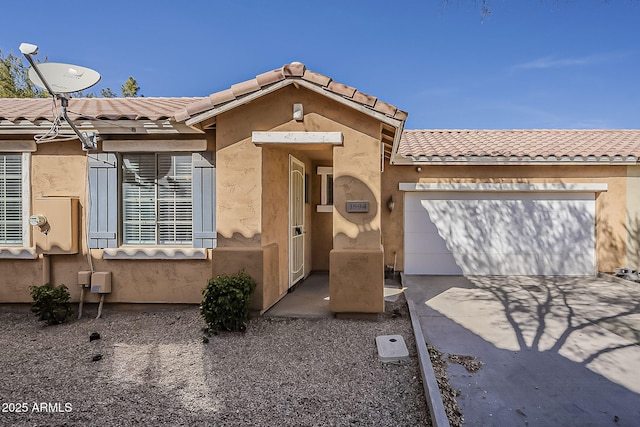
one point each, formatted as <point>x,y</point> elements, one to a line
<point>25,251</point>
<point>324,172</point>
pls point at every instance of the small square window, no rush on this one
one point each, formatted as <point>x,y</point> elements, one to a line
<point>326,189</point>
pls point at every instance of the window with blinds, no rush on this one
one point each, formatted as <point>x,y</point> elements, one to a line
<point>157,199</point>
<point>10,199</point>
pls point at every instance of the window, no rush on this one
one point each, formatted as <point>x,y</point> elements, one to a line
<point>326,189</point>
<point>162,204</point>
<point>156,199</point>
<point>11,200</point>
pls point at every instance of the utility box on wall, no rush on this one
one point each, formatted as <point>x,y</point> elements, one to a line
<point>61,236</point>
<point>101,282</point>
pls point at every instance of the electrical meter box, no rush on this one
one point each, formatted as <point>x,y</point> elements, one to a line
<point>60,233</point>
<point>101,282</point>
<point>84,278</point>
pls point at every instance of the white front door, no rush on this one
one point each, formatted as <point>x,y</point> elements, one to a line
<point>296,220</point>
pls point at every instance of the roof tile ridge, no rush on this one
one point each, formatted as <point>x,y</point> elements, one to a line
<point>293,71</point>
<point>237,90</point>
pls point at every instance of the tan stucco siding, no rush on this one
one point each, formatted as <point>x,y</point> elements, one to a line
<point>356,281</point>
<point>252,181</point>
<point>610,205</point>
<point>321,223</point>
<point>356,167</point>
<point>17,276</point>
<point>238,194</point>
<point>356,177</point>
<point>153,281</point>
<point>356,276</point>
<point>275,208</point>
<point>633,217</point>
<point>611,239</point>
<point>309,238</point>
<point>59,169</point>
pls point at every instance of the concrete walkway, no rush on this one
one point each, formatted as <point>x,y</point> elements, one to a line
<point>310,298</point>
<point>556,351</point>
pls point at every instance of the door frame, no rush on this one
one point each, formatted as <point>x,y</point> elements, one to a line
<point>296,225</point>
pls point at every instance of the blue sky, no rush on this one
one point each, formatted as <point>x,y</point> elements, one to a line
<point>529,64</point>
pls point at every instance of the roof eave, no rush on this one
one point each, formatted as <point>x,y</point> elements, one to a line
<point>516,160</point>
<point>210,114</point>
<point>396,145</point>
<point>397,123</point>
<point>104,127</point>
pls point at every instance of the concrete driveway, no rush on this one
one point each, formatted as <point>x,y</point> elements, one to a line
<point>556,351</point>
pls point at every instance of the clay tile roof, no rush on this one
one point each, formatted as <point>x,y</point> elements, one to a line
<point>13,109</point>
<point>519,143</point>
<point>294,71</point>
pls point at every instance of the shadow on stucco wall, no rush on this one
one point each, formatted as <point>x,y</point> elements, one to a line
<point>363,228</point>
<point>633,241</point>
<point>611,247</point>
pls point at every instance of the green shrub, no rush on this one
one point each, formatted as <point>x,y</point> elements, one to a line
<point>51,303</point>
<point>225,306</point>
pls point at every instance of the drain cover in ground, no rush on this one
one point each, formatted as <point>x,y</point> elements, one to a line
<point>391,348</point>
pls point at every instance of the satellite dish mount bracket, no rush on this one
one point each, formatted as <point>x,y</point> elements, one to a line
<point>88,139</point>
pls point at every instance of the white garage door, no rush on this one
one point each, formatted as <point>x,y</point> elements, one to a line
<point>502,233</point>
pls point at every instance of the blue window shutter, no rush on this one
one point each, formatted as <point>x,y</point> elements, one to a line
<point>204,200</point>
<point>103,201</point>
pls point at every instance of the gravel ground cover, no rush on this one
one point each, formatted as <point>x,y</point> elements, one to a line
<point>155,369</point>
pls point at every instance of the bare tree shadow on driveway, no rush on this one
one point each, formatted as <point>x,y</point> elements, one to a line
<point>555,350</point>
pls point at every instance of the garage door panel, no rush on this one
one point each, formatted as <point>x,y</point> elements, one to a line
<point>499,264</point>
<point>427,243</point>
<point>420,217</point>
<point>576,263</point>
<point>524,264</point>
<point>445,264</point>
<point>484,263</point>
<point>500,233</point>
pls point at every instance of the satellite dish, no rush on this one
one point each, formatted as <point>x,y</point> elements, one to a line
<point>63,78</point>
<point>60,80</point>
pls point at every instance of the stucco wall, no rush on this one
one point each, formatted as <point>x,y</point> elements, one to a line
<point>610,206</point>
<point>275,209</point>
<point>59,169</point>
<point>321,223</point>
<point>356,177</point>
<point>356,281</point>
<point>257,177</point>
<point>179,281</point>
<point>633,217</point>
<point>17,276</point>
<point>238,193</point>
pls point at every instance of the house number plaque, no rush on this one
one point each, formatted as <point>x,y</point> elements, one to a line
<point>357,206</point>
